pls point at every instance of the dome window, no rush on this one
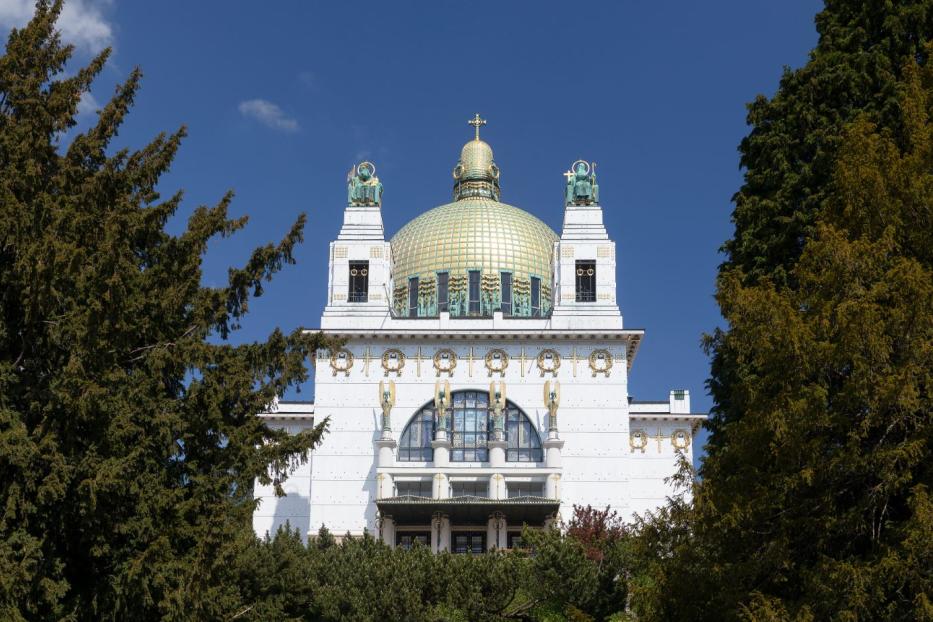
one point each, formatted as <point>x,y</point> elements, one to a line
<point>535,297</point>
<point>506,285</point>
<point>474,292</point>
<point>443,292</point>
<point>413,297</point>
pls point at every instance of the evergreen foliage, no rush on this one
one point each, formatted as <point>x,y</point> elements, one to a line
<point>128,437</point>
<point>814,502</point>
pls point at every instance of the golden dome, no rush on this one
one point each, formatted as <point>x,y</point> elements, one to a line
<point>507,252</point>
<point>475,234</point>
<point>476,158</point>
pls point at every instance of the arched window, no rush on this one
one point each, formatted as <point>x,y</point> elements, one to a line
<point>469,428</point>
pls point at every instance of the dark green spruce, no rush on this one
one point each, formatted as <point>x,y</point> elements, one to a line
<point>814,501</point>
<point>128,437</point>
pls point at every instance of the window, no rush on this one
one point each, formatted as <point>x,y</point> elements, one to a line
<point>469,489</point>
<point>474,292</point>
<point>515,540</point>
<point>420,488</point>
<point>415,442</point>
<point>506,293</point>
<point>522,442</point>
<point>535,297</point>
<point>473,543</point>
<point>469,424</point>
<point>469,418</point>
<point>586,281</point>
<point>680,395</point>
<point>413,297</point>
<point>525,489</point>
<point>407,539</point>
<point>359,281</point>
<point>443,280</point>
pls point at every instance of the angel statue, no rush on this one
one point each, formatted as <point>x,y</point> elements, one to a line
<point>442,404</point>
<point>551,402</point>
<point>386,401</point>
<point>497,404</point>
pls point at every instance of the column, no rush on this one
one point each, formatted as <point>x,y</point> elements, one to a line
<point>497,489</point>
<point>552,486</point>
<point>385,487</point>
<point>440,487</point>
<point>552,447</point>
<point>388,530</point>
<point>386,451</point>
<point>440,533</point>
<point>496,453</point>
<point>496,532</point>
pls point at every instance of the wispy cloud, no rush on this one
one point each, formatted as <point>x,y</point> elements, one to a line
<point>82,22</point>
<point>268,114</point>
<point>88,103</point>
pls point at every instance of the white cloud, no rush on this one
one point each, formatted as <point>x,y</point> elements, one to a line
<point>81,22</point>
<point>268,114</point>
<point>88,104</point>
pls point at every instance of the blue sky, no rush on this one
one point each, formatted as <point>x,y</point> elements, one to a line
<point>280,98</point>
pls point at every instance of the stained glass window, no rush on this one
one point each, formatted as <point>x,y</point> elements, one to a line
<point>469,428</point>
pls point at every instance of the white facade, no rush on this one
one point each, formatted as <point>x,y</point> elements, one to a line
<point>606,450</point>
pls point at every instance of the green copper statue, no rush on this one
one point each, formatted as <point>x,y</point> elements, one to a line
<point>363,187</point>
<point>582,188</point>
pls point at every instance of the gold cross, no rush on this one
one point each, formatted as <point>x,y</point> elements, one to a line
<point>568,175</point>
<point>476,122</point>
<point>660,437</point>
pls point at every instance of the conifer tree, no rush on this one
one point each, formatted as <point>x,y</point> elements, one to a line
<point>128,437</point>
<point>815,499</point>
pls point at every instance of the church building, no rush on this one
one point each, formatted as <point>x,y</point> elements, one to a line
<point>483,381</point>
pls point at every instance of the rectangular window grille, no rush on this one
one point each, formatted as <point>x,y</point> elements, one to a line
<point>535,297</point>
<point>413,297</point>
<point>680,395</point>
<point>407,539</point>
<point>474,292</point>
<point>443,281</point>
<point>469,489</point>
<point>525,489</point>
<point>515,540</point>
<point>359,281</point>
<point>506,293</point>
<point>473,543</point>
<point>420,488</point>
<point>586,281</point>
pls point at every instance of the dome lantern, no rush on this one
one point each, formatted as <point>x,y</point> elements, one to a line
<point>476,174</point>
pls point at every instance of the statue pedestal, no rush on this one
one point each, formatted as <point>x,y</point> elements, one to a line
<point>552,447</point>
<point>441,450</point>
<point>386,449</point>
<point>496,453</point>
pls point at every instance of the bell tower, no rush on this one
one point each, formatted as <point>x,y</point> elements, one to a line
<point>584,257</point>
<point>360,257</point>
